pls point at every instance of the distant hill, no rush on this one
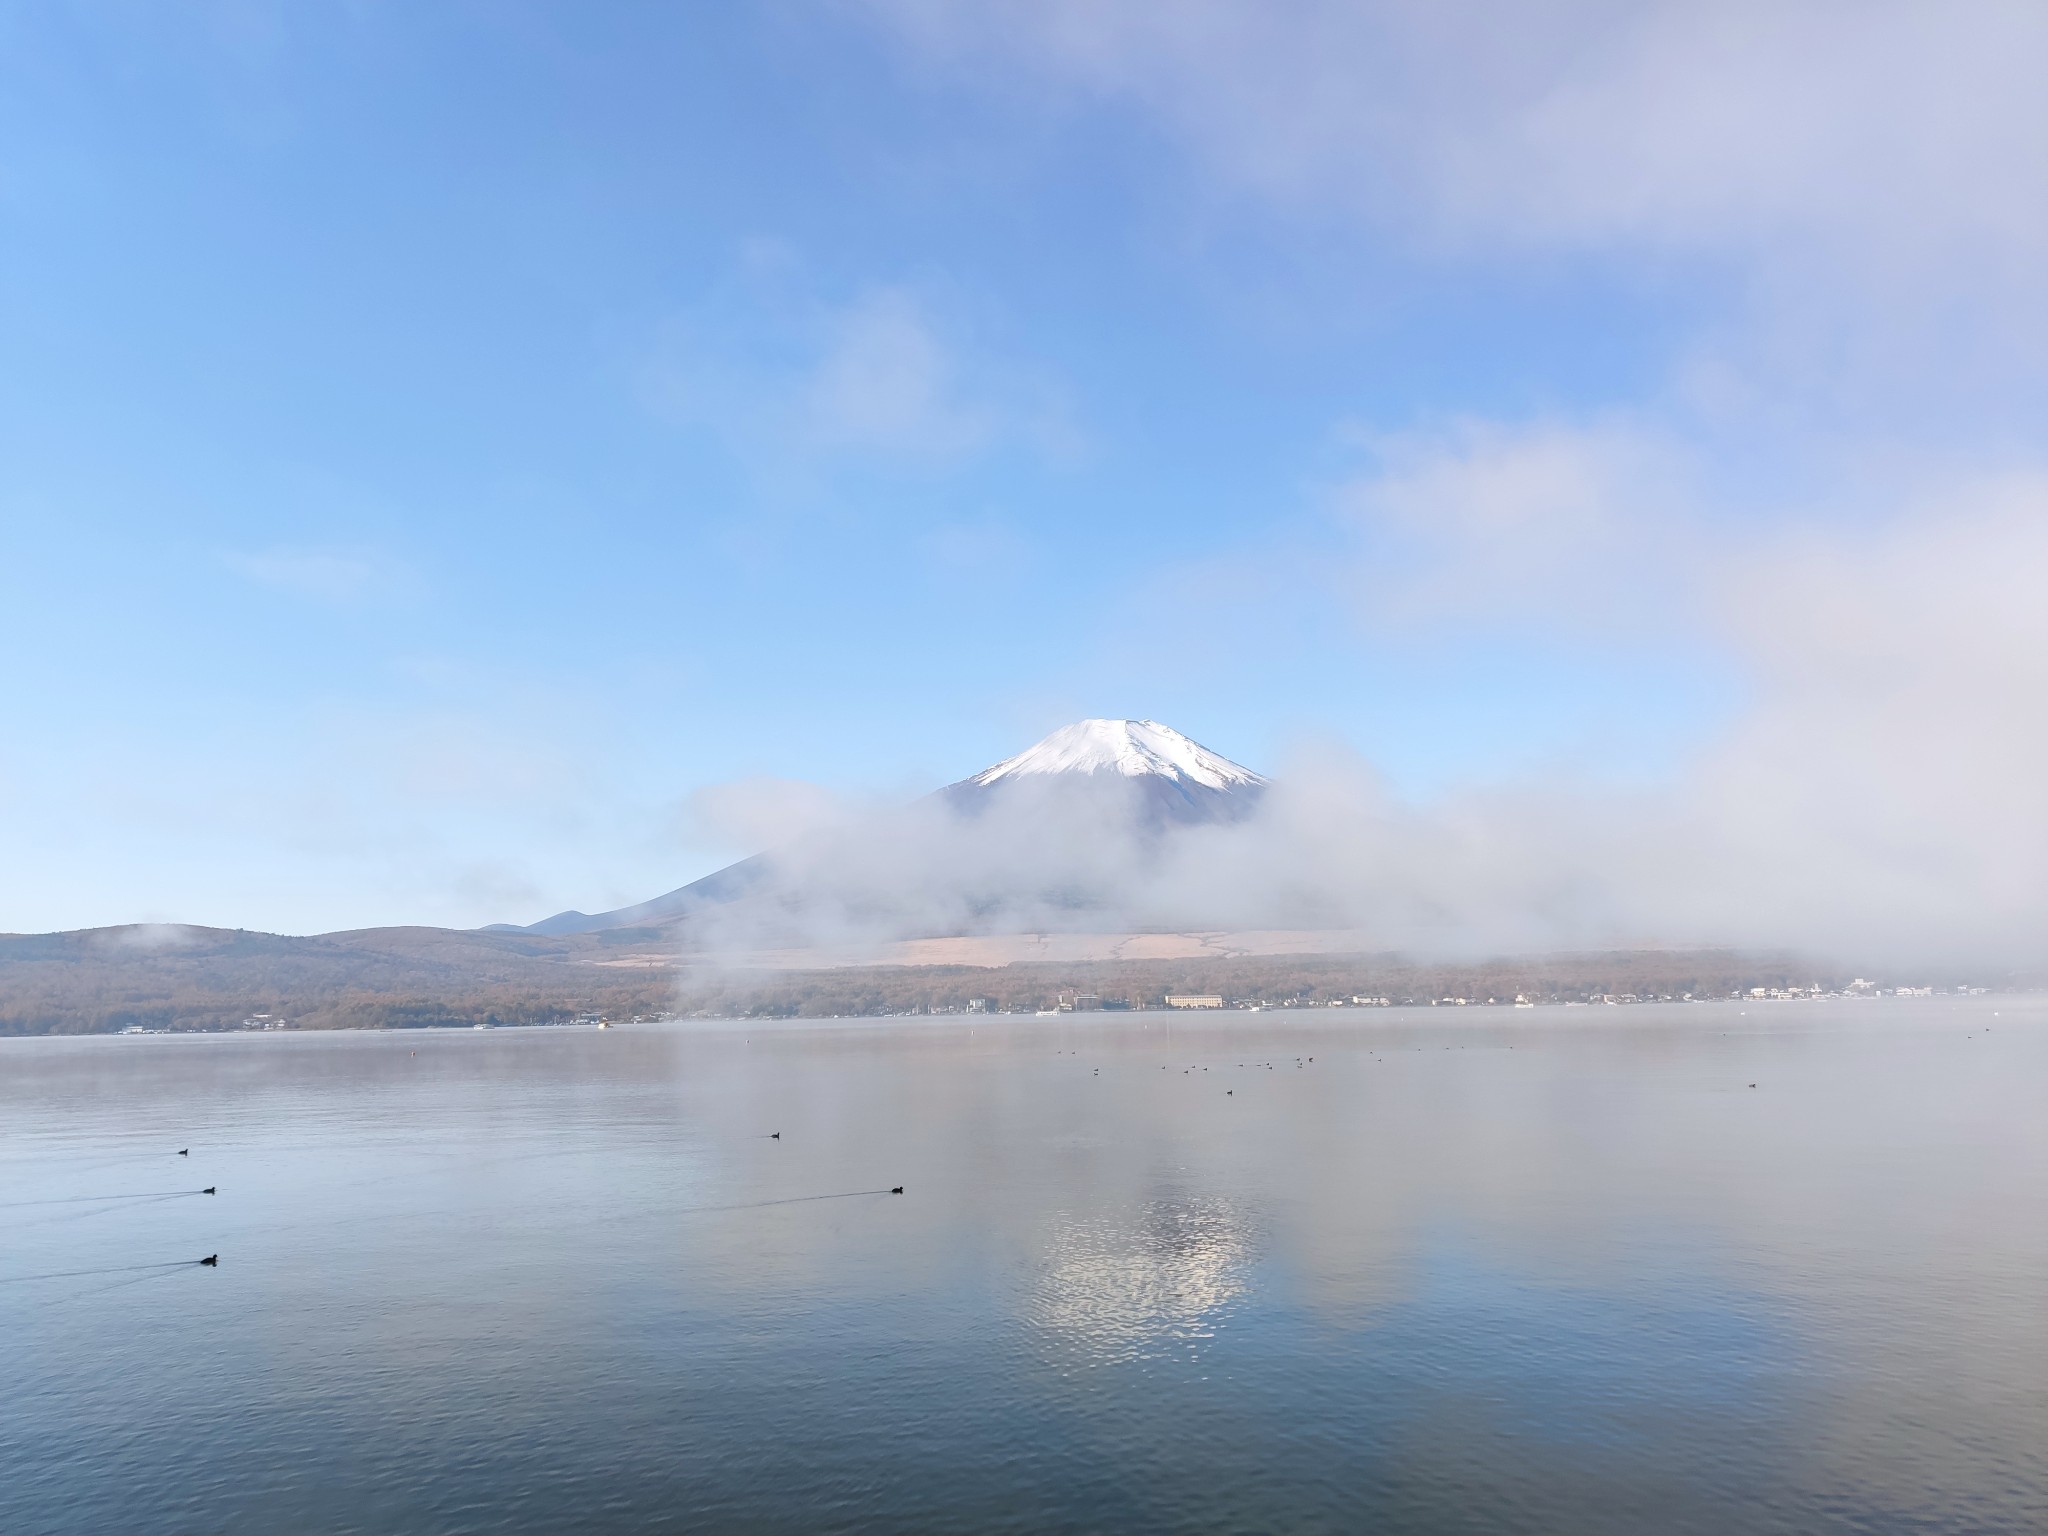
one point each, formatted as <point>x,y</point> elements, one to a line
<point>170,976</point>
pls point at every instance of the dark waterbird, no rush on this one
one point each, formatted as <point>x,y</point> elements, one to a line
<point>207,1191</point>
<point>131,1274</point>
<point>897,1190</point>
<point>184,1151</point>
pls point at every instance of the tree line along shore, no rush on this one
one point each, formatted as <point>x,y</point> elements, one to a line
<point>107,981</point>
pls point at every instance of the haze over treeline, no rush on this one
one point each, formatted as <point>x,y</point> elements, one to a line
<point>1264,980</point>
<point>201,979</point>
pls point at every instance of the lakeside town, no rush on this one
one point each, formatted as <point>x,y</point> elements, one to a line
<point>1072,1002</point>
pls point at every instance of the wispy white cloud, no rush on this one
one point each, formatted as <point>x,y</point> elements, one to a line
<point>984,550</point>
<point>887,376</point>
<point>328,574</point>
<point>745,816</point>
<point>1874,129</point>
<point>1856,185</point>
<point>1576,526</point>
<point>1878,790</point>
<point>886,382</point>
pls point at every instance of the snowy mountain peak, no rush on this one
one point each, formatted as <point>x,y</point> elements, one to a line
<point>1150,772</point>
<point>1133,748</point>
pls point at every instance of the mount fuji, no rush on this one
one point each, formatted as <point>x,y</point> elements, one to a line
<point>1140,777</point>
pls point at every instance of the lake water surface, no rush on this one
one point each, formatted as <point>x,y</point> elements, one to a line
<point>1400,1271</point>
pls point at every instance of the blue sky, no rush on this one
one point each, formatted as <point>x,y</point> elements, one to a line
<point>441,443</point>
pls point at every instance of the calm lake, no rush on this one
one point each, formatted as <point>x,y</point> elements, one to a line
<point>1708,1268</point>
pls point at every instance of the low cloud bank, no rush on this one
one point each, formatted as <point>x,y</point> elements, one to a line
<point>1881,797</point>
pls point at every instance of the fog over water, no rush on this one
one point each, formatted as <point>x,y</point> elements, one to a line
<point>1512,1270</point>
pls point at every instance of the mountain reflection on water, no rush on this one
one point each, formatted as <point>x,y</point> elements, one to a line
<point>1566,1271</point>
<point>1115,1291</point>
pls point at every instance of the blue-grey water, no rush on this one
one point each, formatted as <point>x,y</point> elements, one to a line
<point>1402,1271</point>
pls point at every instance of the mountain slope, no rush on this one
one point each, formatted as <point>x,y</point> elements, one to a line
<point>731,883</point>
<point>174,976</point>
<point>1136,771</point>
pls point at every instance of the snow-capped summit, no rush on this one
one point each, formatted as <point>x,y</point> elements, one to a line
<point>1157,775</point>
<point>1133,748</point>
